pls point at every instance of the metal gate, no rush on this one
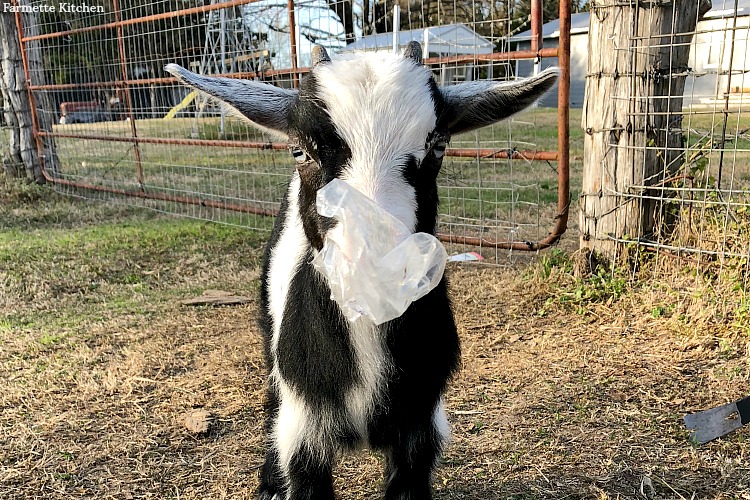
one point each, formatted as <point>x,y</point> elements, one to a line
<point>123,130</point>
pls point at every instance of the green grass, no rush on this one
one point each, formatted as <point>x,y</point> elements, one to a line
<point>475,189</point>
<point>103,258</point>
<point>479,194</point>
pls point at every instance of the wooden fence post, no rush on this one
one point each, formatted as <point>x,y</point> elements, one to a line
<point>21,151</point>
<point>20,157</point>
<point>632,119</point>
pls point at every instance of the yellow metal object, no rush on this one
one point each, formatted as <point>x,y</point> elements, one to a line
<point>183,104</point>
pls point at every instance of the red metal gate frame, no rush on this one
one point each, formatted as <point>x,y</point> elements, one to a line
<point>562,155</point>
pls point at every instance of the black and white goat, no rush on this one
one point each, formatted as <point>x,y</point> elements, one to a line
<point>379,122</point>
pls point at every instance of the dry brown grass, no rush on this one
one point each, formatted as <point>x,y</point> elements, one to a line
<point>556,398</point>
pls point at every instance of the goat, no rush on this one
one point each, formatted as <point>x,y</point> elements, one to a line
<point>379,122</point>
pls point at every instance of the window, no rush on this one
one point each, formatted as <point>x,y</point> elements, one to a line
<point>714,48</point>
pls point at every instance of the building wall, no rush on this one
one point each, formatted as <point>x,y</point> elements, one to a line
<point>710,54</point>
<point>578,61</point>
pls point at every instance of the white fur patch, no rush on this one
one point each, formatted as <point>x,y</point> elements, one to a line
<point>374,364</point>
<point>297,426</point>
<point>291,429</point>
<point>440,422</point>
<point>381,105</point>
<point>285,258</point>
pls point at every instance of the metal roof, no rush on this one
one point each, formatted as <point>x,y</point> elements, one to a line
<point>579,23</point>
<point>447,39</point>
<point>725,8</point>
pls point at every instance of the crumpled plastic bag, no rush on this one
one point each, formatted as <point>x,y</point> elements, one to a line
<point>374,265</point>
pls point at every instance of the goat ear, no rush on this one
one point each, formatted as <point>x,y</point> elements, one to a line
<point>413,51</point>
<point>263,104</point>
<point>319,55</point>
<point>473,105</point>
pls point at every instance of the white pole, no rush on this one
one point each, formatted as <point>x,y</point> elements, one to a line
<point>426,43</point>
<point>396,27</point>
<point>536,71</point>
<point>223,64</point>
<point>298,37</point>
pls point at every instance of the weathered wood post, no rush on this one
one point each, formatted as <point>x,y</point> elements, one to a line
<point>21,151</point>
<point>20,158</point>
<point>638,62</point>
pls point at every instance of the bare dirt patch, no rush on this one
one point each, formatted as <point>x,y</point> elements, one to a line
<point>568,389</point>
<point>555,406</point>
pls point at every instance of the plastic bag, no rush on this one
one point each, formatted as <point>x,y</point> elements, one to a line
<point>374,265</point>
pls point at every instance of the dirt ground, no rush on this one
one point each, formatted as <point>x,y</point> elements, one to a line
<point>552,402</point>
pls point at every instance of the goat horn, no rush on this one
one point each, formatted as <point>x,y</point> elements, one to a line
<point>319,55</point>
<point>413,51</point>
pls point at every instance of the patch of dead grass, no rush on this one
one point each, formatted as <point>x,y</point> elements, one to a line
<point>556,399</point>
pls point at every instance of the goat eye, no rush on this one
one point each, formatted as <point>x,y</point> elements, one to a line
<point>438,150</point>
<point>299,155</point>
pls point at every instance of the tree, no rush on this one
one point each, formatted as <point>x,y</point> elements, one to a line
<point>343,9</point>
<point>20,153</point>
<point>493,18</point>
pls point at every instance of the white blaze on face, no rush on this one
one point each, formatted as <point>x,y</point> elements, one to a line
<point>381,105</point>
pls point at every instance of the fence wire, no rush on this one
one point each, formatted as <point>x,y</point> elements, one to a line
<point>125,131</point>
<point>708,194</point>
<point>669,186</point>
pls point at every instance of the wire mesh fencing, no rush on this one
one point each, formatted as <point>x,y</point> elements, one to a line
<point>708,193</point>
<point>123,130</point>
<point>667,148</point>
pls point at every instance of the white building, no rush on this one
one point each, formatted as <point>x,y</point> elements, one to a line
<point>711,58</point>
<point>314,19</point>
<point>437,41</point>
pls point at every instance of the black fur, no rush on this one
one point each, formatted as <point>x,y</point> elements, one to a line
<point>315,354</point>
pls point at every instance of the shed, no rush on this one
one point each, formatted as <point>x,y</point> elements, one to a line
<point>710,59</point>
<point>437,41</point>
<point>446,40</point>
<point>579,29</point>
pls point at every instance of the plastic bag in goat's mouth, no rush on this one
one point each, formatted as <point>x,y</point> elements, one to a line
<point>374,265</point>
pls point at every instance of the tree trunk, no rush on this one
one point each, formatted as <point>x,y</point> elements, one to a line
<point>21,158</point>
<point>366,21</point>
<point>632,115</point>
<point>343,9</point>
<point>45,108</point>
<point>381,20</point>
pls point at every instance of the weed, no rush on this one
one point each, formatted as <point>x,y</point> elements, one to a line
<point>658,312</point>
<point>49,339</point>
<point>600,286</point>
<point>555,259</point>
<point>19,191</point>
